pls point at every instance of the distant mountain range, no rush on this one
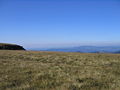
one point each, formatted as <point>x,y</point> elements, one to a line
<point>88,49</point>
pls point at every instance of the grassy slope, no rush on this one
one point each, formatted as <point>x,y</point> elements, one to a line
<point>25,70</point>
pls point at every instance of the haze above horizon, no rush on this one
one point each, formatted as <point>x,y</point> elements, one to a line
<point>44,23</point>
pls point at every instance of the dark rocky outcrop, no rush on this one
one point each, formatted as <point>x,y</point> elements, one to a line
<point>4,46</point>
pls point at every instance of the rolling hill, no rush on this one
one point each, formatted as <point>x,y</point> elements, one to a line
<point>6,46</point>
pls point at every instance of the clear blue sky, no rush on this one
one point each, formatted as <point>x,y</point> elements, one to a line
<point>41,23</point>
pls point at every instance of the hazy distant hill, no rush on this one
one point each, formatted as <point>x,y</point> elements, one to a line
<point>6,46</point>
<point>89,49</point>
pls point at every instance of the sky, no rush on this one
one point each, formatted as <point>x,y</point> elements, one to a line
<point>51,23</point>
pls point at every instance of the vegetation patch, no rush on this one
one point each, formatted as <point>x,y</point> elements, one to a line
<point>29,70</point>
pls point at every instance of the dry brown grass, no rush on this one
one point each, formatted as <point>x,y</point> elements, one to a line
<point>28,70</point>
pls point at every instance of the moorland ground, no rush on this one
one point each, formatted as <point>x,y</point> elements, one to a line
<point>29,70</point>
